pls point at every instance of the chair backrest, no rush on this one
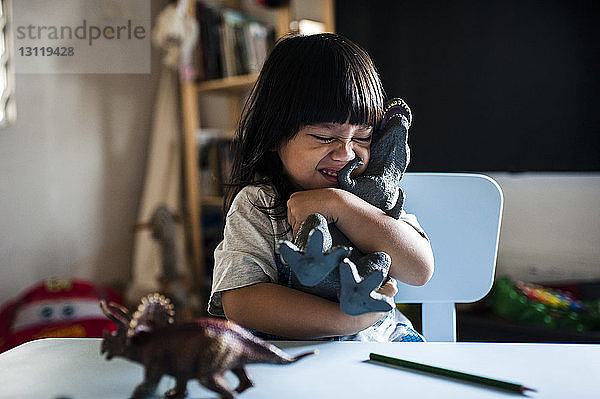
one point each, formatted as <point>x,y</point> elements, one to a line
<point>461,214</point>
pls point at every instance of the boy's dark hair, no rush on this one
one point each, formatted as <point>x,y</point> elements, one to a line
<point>323,78</point>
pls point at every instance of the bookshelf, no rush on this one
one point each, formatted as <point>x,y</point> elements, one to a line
<point>233,88</point>
<point>232,84</point>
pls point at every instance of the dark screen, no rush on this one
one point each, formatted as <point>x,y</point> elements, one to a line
<point>507,85</point>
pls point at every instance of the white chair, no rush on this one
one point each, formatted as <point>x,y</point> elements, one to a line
<point>461,214</point>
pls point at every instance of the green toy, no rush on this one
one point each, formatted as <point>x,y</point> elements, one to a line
<point>542,306</point>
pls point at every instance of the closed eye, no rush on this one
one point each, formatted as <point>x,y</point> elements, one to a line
<point>325,139</point>
<point>363,139</point>
<point>322,139</point>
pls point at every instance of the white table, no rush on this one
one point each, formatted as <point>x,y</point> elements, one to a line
<point>73,368</point>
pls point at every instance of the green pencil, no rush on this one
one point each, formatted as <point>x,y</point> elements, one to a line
<point>507,386</point>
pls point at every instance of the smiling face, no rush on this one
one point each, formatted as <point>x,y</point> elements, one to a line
<point>317,152</point>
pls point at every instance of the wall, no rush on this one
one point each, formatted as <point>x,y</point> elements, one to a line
<point>71,172</point>
<point>551,226</point>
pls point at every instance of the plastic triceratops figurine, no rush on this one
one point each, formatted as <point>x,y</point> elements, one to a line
<point>203,349</point>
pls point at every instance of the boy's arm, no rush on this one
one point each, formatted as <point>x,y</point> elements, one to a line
<point>279,310</point>
<point>370,229</point>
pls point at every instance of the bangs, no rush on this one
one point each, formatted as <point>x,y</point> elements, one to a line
<point>334,81</point>
<point>342,98</point>
<point>340,85</point>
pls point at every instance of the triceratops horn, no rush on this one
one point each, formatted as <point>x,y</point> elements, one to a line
<point>119,320</point>
<point>121,310</point>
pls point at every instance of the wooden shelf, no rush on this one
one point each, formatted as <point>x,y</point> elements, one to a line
<point>234,84</point>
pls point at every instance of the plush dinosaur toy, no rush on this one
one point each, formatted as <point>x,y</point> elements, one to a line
<point>390,155</point>
<point>203,349</point>
<point>339,272</point>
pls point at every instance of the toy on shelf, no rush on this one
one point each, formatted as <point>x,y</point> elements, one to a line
<point>174,281</point>
<point>203,348</point>
<point>55,308</point>
<point>534,304</point>
<point>321,257</point>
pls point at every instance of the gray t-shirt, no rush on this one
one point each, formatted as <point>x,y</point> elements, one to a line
<point>248,255</point>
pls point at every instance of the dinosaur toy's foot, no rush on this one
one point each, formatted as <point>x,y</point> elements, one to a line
<point>356,294</point>
<point>217,383</point>
<point>245,382</point>
<point>312,265</point>
<point>176,393</point>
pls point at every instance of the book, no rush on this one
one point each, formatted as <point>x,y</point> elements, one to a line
<point>215,162</point>
<point>230,42</point>
<point>208,51</point>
